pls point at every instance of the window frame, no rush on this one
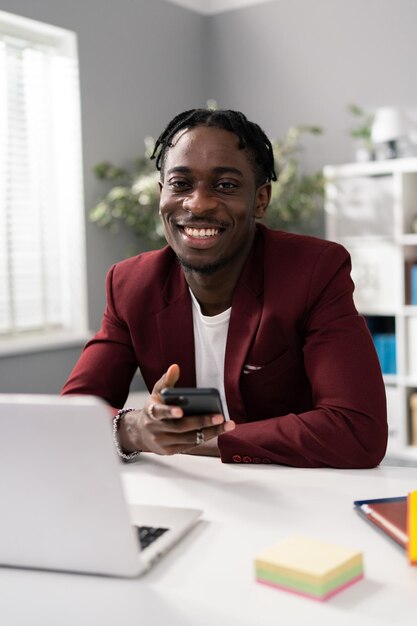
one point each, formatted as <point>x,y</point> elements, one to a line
<point>75,332</point>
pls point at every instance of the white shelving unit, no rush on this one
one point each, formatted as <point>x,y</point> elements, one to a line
<point>371,209</point>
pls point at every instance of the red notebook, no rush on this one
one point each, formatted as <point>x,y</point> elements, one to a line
<point>388,514</point>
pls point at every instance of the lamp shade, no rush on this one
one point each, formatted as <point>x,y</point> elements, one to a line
<point>389,124</point>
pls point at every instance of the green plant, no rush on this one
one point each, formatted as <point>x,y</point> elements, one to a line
<point>297,198</point>
<point>133,197</point>
<point>362,130</point>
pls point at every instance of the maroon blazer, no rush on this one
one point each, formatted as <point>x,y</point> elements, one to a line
<point>314,395</point>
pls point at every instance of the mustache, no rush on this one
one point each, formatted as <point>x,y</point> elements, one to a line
<point>195,222</point>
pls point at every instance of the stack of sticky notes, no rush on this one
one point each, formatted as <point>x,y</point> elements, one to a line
<point>412,527</point>
<point>308,567</point>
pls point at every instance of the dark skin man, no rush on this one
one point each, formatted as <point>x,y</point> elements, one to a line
<point>266,316</point>
<point>209,204</point>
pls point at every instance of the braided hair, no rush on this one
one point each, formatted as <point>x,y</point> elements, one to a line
<point>251,137</point>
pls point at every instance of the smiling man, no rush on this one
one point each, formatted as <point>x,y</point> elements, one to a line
<point>265,316</point>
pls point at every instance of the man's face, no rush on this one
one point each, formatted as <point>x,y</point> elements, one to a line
<point>209,199</point>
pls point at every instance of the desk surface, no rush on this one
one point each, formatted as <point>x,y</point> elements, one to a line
<point>208,579</point>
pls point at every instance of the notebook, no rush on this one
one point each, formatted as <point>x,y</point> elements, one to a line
<point>388,515</point>
<point>61,493</point>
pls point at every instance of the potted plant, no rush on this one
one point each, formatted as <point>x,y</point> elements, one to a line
<point>133,198</point>
<point>361,132</point>
<point>297,198</point>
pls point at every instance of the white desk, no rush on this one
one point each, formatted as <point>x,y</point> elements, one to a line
<point>208,578</point>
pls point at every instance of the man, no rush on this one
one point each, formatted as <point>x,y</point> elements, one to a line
<point>265,316</point>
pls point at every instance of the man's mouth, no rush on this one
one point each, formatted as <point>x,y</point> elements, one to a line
<point>201,233</point>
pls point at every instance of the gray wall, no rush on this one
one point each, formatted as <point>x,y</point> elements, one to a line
<point>141,62</point>
<point>282,62</point>
<point>287,62</point>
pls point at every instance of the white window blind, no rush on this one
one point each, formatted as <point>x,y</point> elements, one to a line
<point>42,258</point>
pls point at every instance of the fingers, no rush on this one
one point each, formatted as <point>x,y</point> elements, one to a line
<point>170,415</point>
<point>169,379</point>
<point>215,431</point>
<point>172,375</point>
<point>154,408</point>
<point>189,438</point>
<point>156,411</point>
<point>188,424</point>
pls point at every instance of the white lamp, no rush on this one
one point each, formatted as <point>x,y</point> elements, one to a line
<point>388,127</point>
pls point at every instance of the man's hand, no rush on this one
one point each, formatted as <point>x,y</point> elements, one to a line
<point>209,448</point>
<point>164,429</point>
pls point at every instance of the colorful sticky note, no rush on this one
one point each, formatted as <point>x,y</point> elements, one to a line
<point>309,567</point>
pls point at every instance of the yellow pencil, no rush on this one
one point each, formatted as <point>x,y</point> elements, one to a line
<point>412,527</point>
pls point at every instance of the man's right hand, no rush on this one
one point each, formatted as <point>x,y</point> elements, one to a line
<point>163,429</point>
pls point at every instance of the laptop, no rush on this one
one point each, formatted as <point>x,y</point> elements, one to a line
<point>62,505</point>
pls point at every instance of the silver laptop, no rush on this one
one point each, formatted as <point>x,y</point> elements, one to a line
<point>62,505</point>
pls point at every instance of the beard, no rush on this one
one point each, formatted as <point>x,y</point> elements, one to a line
<point>204,270</point>
<point>209,268</point>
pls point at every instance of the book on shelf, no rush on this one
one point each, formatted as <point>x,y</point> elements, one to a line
<point>413,418</point>
<point>382,329</point>
<point>413,290</point>
<point>411,281</point>
<point>385,348</point>
<point>412,345</point>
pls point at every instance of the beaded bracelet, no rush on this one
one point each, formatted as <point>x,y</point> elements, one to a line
<point>116,422</point>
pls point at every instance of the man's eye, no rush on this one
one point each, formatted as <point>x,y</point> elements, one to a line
<point>226,184</point>
<point>178,184</point>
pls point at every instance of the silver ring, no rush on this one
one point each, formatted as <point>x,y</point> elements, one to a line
<point>150,409</point>
<point>199,437</point>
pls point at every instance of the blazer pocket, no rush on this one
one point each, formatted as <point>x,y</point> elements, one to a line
<point>258,374</point>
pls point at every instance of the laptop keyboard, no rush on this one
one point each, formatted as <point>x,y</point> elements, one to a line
<point>148,534</point>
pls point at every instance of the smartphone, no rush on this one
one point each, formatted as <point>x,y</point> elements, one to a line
<point>194,400</point>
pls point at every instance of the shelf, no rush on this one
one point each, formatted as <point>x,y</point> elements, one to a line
<point>379,312</point>
<point>367,239</point>
<point>370,209</point>
<point>405,453</point>
<point>409,310</point>
<point>409,239</point>
<point>371,168</point>
<point>390,379</point>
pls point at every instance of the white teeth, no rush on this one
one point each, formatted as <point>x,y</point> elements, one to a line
<point>201,232</point>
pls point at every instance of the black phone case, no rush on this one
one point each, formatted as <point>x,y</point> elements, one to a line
<point>194,400</point>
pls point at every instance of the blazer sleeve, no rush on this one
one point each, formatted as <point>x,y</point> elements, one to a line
<point>108,362</point>
<point>347,424</point>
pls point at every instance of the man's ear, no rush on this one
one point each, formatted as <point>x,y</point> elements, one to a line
<point>161,186</point>
<point>263,196</point>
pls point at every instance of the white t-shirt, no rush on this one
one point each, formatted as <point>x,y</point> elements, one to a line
<point>210,335</point>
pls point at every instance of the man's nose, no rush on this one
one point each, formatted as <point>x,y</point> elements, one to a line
<point>199,201</point>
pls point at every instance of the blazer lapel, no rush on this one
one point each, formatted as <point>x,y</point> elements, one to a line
<point>244,321</point>
<point>175,327</point>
